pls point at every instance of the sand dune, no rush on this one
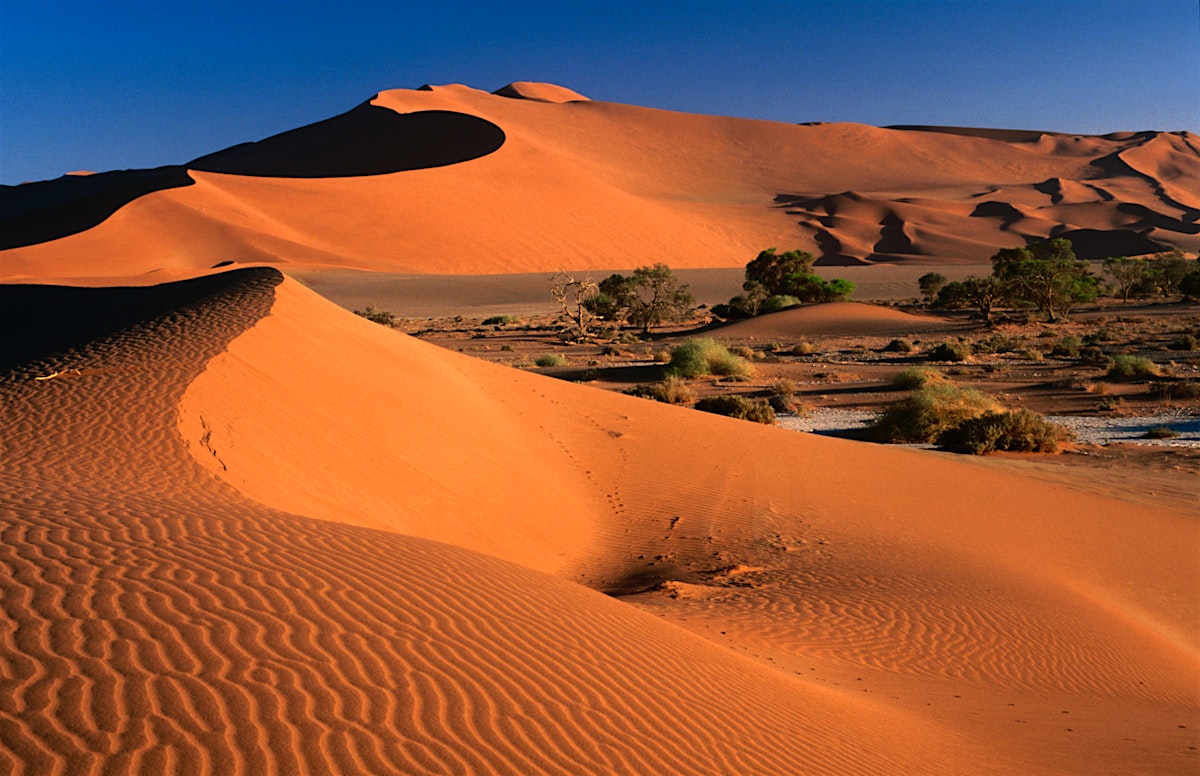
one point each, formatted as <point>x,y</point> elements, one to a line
<point>247,532</point>
<point>835,319</point>
<point>538,178</point>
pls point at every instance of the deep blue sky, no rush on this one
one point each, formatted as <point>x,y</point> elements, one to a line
<point>107,84</point>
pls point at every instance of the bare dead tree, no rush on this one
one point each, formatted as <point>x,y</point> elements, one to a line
<point>572,295</point>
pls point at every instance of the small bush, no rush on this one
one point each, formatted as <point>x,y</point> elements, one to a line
<point>926,413</point>
<point>506,348</point>
<point>898,346</point>
<point>1132,368</point>
<point>1067,347</point>
<point>627,338</point>
<point>1029,354</point>
<point>672,390</point>
<point>996,343</point>
<point>738,407</point>
<point>804,349</point>
<point>1160,432</point>
<point>916,377</point>
<point>1095,356</point>
<point>742,351</point>
<point>950,351</point>
<point>382,317</point>
<point>783,387</point>
<point>705,356</point>
<point>550,359</point>
<point>501,320</point>
<point>1185,342</point>
<point>1175,389</point>
<point>1018,431</point>
<point>773,304</point>
<point>788,405</point>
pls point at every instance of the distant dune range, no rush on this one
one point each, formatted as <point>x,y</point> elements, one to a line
<point>452,180</point>
<point>248,532</point>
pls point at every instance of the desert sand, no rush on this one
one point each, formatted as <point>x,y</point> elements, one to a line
<point>246,531</point>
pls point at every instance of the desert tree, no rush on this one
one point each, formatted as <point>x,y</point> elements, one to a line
<point>572,295</point>
<point>773,274</point>
<point>1045,275</point>
<point>651,296</point>
<point>1128,275</point>
<point>1166,271</point>
<point>931,283</point>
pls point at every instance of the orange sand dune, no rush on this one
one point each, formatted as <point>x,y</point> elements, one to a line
<point>248,532</point>
<point>586,185</point>
<point>836,319</point>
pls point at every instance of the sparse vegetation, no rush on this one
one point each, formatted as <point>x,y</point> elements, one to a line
<point>1017,431</point>
<point>550,359</point>
<point>899,346</point>
<point>1161,432</point>
<point>738,407</point>
<point>915,377</point>
<point>502,320</point>
<point>1125,367</point>
<point>382,317</point>
<point>1067,347</point>
<point>1046,276</point>
<point>926,413</point>
<point>705,356</point>
<point>672,390</point>
<point>651,296</point>
<point>950,351</point>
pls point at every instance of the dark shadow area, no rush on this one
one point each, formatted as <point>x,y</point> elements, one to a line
<point>39,212</point>
<point>1096,244</point>
<point>367,140</point>
<point>39,322</point>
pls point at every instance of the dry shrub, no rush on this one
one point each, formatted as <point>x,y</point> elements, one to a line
<point>915,377</point>
<point>950,351</point>
<point>705,356</point>
<point>804,349</point>
<point>783,387</point>
<point>926,413</point>
<point>898,346</point>
<point>550,359</point>
<point>1017,431</point>
<point>738,407</point>
<point>673,390</point>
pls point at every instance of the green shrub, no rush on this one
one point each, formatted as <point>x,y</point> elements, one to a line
<point>1067,347</point>
<point>915,377</point>
<point>550,359</point>
<point>1018,431</point>
<point>672,390</point>
<point>898,346</point>
<point>924,414</point>
<point>950,351</point>
<point>501,320</point>
<point>1132,367</point>
<point>773,304</point>
<point>705,356</point>
<point>996,343</point>
<point>1160,432</point>
<point>382,317</point>
<point>738,407</point>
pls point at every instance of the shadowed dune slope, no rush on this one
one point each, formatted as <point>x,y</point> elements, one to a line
<point>157,621</point>
<point>590,184</point>
<point>249,532</point>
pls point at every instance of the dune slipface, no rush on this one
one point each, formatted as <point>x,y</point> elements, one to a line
<point>536,177</point>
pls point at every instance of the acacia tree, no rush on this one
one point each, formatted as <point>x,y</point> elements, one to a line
<point>931,283</point>
<point>773,273</point>
<point>1045,275</point>
<point>1166,271</point>
<point>982,294</point>
<point>1128,275</point>
<point>652,296</point>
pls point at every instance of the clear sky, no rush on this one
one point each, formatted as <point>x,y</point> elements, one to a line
<point>112,84</point>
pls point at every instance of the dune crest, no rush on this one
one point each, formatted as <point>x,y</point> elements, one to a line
<point>587,184</point>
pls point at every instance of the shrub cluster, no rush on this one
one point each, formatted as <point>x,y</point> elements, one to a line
<point>738,407</point>
<point>915,377</point>
<point>705,356</point>
<point>950,351</point>
<point>1132,367</point>
<point>1018,431</point>
<point>927,412</point>
<point>673,390</point>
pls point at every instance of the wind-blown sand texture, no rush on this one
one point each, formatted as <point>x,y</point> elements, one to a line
<point>248,532</point>
<point>536,178</point>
